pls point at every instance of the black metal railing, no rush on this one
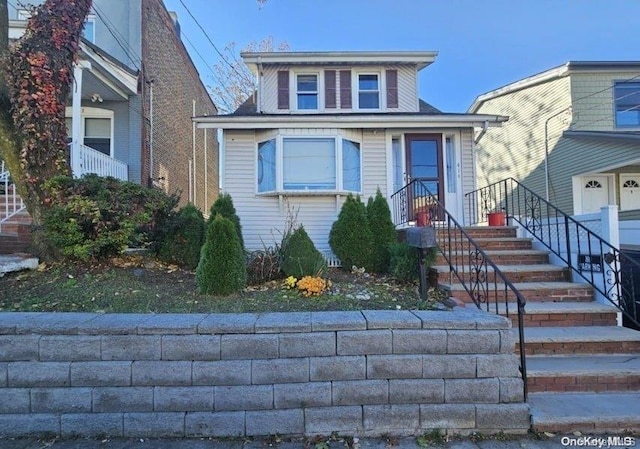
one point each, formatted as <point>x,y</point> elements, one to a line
<point>603,266</point>
<point>483,281</point>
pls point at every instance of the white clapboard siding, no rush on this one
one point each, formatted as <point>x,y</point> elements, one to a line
<point>407,86</point>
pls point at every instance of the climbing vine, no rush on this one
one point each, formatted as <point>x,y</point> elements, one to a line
<point>39,74</point>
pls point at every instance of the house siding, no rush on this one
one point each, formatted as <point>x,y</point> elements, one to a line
<point>407,86</point>
<point>263,218</point>
<point>466,169</point>
<point>176,86</point>
<point>517,149</point>
<point>593,100</point>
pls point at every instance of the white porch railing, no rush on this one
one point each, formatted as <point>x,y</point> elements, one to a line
<point>10,203</point>
<point>93,161</point>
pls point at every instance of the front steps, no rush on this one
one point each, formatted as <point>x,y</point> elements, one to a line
<point>15,233</point>
<point>583,370</point>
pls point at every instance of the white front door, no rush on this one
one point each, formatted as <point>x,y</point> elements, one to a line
<point>629,192</point>
<point>595,193</point>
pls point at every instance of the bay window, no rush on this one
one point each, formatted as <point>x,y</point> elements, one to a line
<point>309,164</point>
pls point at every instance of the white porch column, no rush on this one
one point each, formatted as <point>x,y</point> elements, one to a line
<point>76,117</point>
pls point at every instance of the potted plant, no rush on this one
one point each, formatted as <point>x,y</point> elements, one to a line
<point>497,218</point>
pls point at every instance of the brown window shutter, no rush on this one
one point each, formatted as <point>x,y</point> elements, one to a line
<point>392,88</point>
<point>283,89</point>
<point>330,89</point>
<point>345,89</point>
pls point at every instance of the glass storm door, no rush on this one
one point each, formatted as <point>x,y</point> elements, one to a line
<point>424,163</point>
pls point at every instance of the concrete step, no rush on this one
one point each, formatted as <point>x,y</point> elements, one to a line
<point>581,340</point>
<point>594,373</point>
<point>532,291</point>
<point>563,314</point>
<point>514,273</point>
<point>586,412</point>
<point>491,243</point>
<point>17,262</point>
<point>507,257</point>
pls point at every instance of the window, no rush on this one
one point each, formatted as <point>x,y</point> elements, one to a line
<point>368,91</point>
<point>97,134</point>
<point>451,165</point>
<point>398,178</point>
<point>88,33</point>
<point>307,89</point>
<point>307,164</point>
<point>627,103</point>
<point>267,166</point>
<point>593,185</point>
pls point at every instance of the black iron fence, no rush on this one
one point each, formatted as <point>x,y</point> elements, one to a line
<point>482,280</point>
<point>608,270</point>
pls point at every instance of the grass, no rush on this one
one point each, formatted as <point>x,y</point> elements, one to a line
<point>142,285</point>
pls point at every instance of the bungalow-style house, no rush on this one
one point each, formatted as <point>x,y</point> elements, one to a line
<point>135,91</point>
<point>573,136</point>
<point>325,124</point>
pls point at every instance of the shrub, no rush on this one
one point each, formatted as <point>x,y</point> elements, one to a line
<point>184,237</point>
<point>301,258</point>
<point>224,206</point>
<point>403,260</point>
<point>383,232</point>
<point>263,266</point>
<point>403,264</point>
<point>221,270</point>
<point>95,217</point>
<point>350,237</point>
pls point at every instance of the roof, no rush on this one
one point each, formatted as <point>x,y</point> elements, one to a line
<point>603,135</point>
<point>555,73</point>
<point>419,58</point>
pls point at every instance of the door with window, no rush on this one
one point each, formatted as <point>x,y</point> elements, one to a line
<point>629,192</point>
<point>595,193</point>
<point>424,165</point>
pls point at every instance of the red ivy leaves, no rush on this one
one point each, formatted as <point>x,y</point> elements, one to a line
<point>40,75</point>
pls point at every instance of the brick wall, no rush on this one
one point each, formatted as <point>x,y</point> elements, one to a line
<point>360,373</point>
<point>176,85</point>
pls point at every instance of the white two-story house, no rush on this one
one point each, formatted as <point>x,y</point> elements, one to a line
<point>325,124</point>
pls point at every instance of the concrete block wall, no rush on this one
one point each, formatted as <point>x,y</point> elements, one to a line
<point>223,375</point>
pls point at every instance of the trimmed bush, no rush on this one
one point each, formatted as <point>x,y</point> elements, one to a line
<point>301,258</point>
<point>350,237</point>
<point>224,206</point>
<point>93,218</point>
<point>221,270</point>
<point>383,232</point>
<point>184,238</point>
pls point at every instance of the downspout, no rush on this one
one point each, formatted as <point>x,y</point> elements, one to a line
<point>546,149</point>
<point>150,132</point>
<point>193,139</point>
<point>485,127</point>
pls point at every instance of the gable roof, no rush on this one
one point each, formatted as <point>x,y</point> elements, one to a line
<point>552,74</point>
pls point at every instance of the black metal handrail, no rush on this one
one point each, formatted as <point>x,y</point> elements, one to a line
<point>478,274</point>
<point>587,254</point>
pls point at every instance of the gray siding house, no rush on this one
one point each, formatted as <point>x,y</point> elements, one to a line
<point>573,136</point>
<point>326,124</point>
<point>129,114</point>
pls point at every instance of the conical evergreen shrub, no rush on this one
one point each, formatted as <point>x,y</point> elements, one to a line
<point>222,269</point>
<point>350,237</point>
<point>224,206</point>
<point>184,239</point>
<point>383,232</point>
<point>301,258</point>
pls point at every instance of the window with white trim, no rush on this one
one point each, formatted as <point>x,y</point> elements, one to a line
<point>307,91</point>
<point>309,164</point>
<point>368,91</point>
<point>627,103</point>
<point>89,32</point>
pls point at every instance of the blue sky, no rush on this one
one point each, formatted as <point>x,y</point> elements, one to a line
<point>482,44</point>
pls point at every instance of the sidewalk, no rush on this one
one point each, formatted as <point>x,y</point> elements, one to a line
<point>525,442</point>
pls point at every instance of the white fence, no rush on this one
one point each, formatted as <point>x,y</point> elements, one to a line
<point>10,203</point>
<point>93,161</point>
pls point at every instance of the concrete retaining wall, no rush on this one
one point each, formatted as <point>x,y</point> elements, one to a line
<point>360,373</point>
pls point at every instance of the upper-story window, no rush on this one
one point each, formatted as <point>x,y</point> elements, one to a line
<point>368,91</point>
<point>307,91</point>
<point>89,32</point>
<point>627,103</point>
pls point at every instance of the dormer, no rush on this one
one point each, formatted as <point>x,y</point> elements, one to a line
<point>337,82</point>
